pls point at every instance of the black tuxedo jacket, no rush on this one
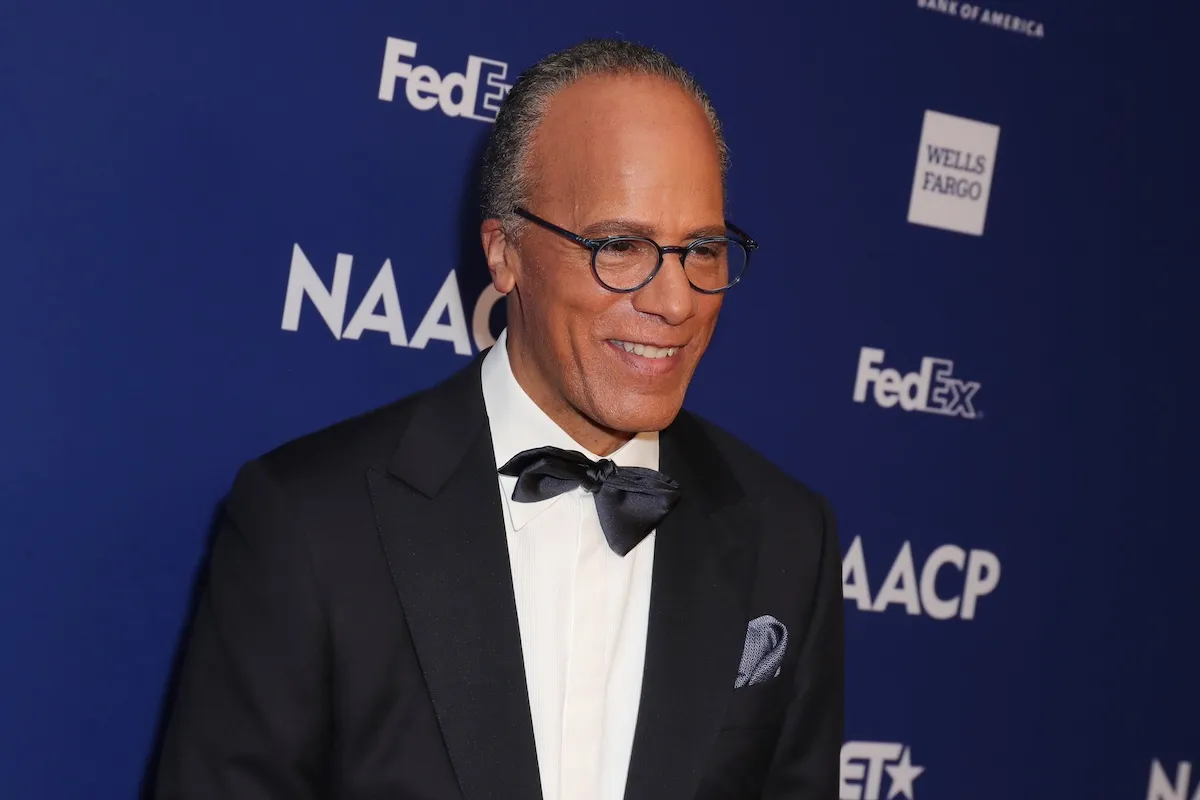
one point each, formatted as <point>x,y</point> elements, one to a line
<point>358,638</point>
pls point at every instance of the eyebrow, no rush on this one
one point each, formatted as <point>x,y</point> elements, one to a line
<point>620,226</point>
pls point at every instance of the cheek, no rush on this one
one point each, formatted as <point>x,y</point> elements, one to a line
<point>710,309</point>
<point>583,307</point>
<point>571,311</point>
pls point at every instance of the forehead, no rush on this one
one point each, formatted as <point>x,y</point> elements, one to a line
<point>624,136</point>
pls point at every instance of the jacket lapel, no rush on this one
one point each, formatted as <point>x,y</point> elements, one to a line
<point>703,567</point>
<point>441,523</point>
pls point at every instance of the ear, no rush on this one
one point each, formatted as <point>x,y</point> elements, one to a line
<point>500,257</point>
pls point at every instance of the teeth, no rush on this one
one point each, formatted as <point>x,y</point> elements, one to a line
<point>646,350</point>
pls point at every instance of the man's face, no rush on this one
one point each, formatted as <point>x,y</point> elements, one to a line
<point>613,155</point>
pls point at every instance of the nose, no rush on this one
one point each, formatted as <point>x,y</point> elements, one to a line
<point>669,296</point>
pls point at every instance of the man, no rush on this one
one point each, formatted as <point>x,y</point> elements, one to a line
<point>540,577</point>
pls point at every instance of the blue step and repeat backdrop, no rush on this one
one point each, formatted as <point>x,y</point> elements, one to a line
<point>971,324</point>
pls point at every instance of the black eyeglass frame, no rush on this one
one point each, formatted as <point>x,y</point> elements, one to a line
<point>595,245</point>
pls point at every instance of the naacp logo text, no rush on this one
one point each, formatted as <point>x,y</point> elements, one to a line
<point>933,389</point>
<point>966,576</point>
<point>955,160</point>
<point>380,310</point>
<point>475,93</point>
<point>1167,786</point>
<point>864,765</point>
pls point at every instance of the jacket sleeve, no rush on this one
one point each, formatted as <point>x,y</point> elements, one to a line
<point>807,759</point>
<point>251,719</point>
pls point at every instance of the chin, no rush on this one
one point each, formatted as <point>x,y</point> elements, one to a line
<point>640,419</point>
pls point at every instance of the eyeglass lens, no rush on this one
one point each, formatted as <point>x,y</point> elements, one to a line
<point>627,263</point>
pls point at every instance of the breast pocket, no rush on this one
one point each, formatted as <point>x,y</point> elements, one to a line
<point>758,705</point>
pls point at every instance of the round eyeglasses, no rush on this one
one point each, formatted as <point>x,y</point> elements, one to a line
<point>627,263</point>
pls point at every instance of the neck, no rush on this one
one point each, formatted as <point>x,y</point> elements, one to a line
<point>582,429</point>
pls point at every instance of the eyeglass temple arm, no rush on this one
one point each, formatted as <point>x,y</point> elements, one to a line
<point>550,226</point>
<point>750,243</point>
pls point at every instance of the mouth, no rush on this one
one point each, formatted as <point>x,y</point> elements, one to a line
<point>648,351</point>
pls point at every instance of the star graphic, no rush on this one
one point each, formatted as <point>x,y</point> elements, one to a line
<point>903,775</point>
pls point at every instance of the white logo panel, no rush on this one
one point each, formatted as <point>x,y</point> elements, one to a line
<point>955,162</point>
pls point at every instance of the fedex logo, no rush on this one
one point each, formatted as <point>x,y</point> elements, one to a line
<point>864,764</point>
<point>933,389</point>
<point>480,89</point>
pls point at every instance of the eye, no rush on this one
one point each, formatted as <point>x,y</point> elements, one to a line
<point>708,252</point>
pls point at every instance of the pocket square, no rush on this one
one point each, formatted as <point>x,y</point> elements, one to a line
<point>766,642</point>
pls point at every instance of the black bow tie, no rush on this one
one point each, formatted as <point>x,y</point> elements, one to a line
<point>630,501</point>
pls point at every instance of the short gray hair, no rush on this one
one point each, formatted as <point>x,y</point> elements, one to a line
<point>505,181</point>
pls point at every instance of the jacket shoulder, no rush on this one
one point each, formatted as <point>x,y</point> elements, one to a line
<point>369,440</point>
<point>352,445</point>
<point>760,477</point>
<point>365,440</point>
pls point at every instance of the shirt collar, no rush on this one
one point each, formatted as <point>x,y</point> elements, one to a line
<point>518,424</point>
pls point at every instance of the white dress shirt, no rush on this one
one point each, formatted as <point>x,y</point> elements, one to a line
<point>582,609</point>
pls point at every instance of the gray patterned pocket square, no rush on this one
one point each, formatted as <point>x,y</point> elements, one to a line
<point>766,642</point>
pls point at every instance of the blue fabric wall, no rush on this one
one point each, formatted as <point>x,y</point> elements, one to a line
<point>1021,570</point>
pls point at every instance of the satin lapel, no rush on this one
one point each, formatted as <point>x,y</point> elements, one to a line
<point>703,568</point>
<point>441,523</point>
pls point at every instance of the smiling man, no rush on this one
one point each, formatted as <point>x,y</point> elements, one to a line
<point>540,578</point>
